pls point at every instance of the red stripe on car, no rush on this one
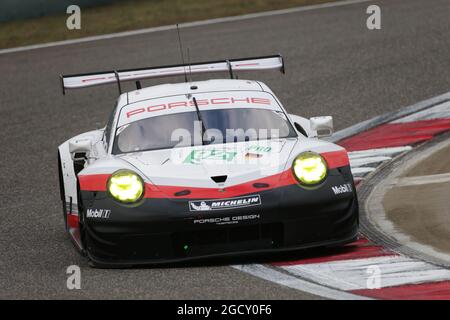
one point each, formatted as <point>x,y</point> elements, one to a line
<point>336,159</point>
<point>72,221</point>
<point>275,181</point>
<point>97,182</point>
<point>93,182</point>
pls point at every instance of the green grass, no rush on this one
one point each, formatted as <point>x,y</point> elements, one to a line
<point>133,14</point>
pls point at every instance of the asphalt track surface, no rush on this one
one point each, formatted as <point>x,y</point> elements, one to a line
<point>335,66</point>
<point>418,203</point>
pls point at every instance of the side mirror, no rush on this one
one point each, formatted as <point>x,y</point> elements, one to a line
<point>80,149</point>
<point>322,125</point>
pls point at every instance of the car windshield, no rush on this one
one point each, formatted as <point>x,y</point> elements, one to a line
<point>184,129</point>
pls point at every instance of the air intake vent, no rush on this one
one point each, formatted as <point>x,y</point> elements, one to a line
<point>219,179</point>
<point>182,193</point>
<point>261,185</point>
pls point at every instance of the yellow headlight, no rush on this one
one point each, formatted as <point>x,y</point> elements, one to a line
<point>126,186</point>
<point>309,168</point>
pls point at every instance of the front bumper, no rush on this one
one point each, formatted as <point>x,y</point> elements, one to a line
<point>164,230</point>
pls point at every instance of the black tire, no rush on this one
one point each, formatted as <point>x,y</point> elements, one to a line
<point>62,192</point>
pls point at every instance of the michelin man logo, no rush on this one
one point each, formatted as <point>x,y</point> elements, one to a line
<point>202,207</point>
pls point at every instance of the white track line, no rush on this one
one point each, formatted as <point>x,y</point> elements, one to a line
<point>368,160</point>
<point>286,280</point>
<point>362,170</point>
<point>361,162</point>
<point>421,180</point>
<point>184,25</point>
<point>378,152</point>
<point>440,111</point>
<point>349,275</point>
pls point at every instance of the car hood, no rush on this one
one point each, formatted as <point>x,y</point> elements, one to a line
<point>200,166</point>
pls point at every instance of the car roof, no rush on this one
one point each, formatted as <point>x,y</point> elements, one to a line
<point>172,89</point>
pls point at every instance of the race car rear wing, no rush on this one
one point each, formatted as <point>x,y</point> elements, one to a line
<point>77,81</point>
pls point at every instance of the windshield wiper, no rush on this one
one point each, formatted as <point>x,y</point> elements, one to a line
<point>200,119</point>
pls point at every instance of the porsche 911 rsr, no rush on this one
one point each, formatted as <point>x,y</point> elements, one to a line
<point>201,169</point>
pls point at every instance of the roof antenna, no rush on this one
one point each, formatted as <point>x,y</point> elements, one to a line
<point>181,52</point>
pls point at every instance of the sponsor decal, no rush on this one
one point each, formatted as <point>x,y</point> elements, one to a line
<point>196,156</point>
<point>257,151</point>
<point>227,220</point>
<point>258,148</point>
<point>253,155</point>
<point>98,213</point>
<point>222,204</point>
<point>227,154</point>
<point>343,188</point>
<point>200,102</point>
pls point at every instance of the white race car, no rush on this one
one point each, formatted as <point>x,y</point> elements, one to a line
<point>201,169</point>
